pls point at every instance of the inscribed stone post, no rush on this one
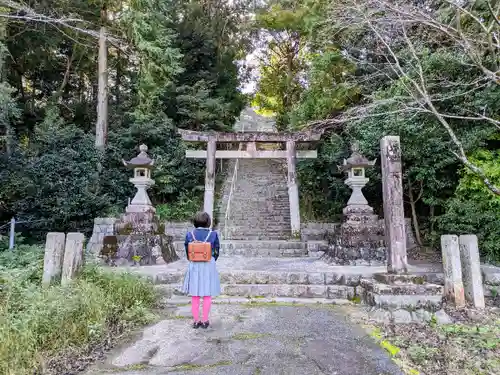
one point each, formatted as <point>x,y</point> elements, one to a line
<point>392,189</point>
<point>471,270</point>
<point>293,189</point>
<point>53,258</point>
<point>453,285</point>
<point>208,202</point>
<point>73,256</point>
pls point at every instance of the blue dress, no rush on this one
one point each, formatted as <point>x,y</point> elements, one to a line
<point>202,278</point>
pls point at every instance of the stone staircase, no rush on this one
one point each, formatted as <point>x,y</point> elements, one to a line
<point>306,280</point>
<point>259,207</point>
<point>254,203</point>
<point>260,249</point>
<point>294,279</point>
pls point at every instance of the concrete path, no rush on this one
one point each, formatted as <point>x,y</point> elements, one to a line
<point>253,340</point>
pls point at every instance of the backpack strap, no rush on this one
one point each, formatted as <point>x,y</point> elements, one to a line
<point>209,233</point>
<point>194,238</point>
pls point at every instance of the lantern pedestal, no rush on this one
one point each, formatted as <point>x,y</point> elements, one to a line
<point>357,204</point>
<point>141,201</point>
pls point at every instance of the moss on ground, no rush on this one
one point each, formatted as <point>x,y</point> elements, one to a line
<point>248,336</point>
<point>192,367</point>
<point>466,348</point>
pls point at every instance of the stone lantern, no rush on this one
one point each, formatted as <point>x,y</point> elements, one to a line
<point>142,165</point>
<point>359,240</point>
<point>355,167</point>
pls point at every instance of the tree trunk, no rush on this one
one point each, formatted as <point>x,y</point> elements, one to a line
<point>431,216</point>
<point>118,78</point>
<point>414,218</point>
<point>101,131</point>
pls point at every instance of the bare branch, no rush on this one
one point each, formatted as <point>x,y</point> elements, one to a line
<point>27,14</point>
<point>389,24</point>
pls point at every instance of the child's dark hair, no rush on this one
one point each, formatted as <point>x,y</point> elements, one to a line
<point>202,220</point>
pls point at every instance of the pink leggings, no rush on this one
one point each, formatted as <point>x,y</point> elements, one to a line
<point>195,307</point>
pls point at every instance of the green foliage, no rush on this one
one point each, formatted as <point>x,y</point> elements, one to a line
<point>323,193</point>
<point>175,67</point>
<point>327,92</point>
<point>279,84</point>
<point>41,325</point>
<point>205,94</point>
<point>54,180</point>
<point>474,209</point>
<point>149,26</point>
<point>183,209</point>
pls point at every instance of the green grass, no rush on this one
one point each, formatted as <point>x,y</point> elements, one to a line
<point>40,325</point>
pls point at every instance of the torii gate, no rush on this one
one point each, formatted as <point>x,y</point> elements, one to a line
<point>251,138</point>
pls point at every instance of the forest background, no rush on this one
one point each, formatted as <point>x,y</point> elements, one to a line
<point>427,71</point>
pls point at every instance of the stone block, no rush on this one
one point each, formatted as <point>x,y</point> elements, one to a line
<point>401,316</point>
<point>442,317</point>
<point>453,285</point>
<point>297,278</point>
<point>73,257</point>
<point>471,270</point>
<point>53,258</point>
<point>316,278</point>
<point>317,291</point>
<point>491,275</point>
<point>102,227</point>
<point>403,289</point>
<point>411,302</point>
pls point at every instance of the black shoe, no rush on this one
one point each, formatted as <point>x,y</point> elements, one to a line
<point>197,325</point>
<point>205,325</point>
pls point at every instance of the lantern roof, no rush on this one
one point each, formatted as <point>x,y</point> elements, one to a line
<point>142,160</point>
<point>357,160</point>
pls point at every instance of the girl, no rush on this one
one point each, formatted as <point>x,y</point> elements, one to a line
<point>202,278</point>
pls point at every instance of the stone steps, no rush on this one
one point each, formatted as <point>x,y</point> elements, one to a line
<point>267,248</point>
<point>402,289</point>
<point>220,300</point>
<point>431,303</point>
<point>275,290</point>
<point>256,237</point>
<point>402,293</point>
<point>269,278</point>
<point>259,207</point>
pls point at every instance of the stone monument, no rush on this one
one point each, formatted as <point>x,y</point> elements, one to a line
<point>359,240</point>
<point>139,237</point>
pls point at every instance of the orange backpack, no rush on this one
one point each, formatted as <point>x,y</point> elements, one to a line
<point>200,251</point>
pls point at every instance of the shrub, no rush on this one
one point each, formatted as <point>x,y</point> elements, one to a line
<point>474,209</point>
<point>39,325</point>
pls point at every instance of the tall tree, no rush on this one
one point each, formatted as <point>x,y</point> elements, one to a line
<point>101,132</point>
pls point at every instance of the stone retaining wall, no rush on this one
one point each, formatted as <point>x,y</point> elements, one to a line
<point>177,229</point>
<point>103,226</point>
<point>315,231</point>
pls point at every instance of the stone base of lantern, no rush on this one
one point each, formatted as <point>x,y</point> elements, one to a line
<point>145,249</point>
<point>139,240</point>
<point>359,240</point>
